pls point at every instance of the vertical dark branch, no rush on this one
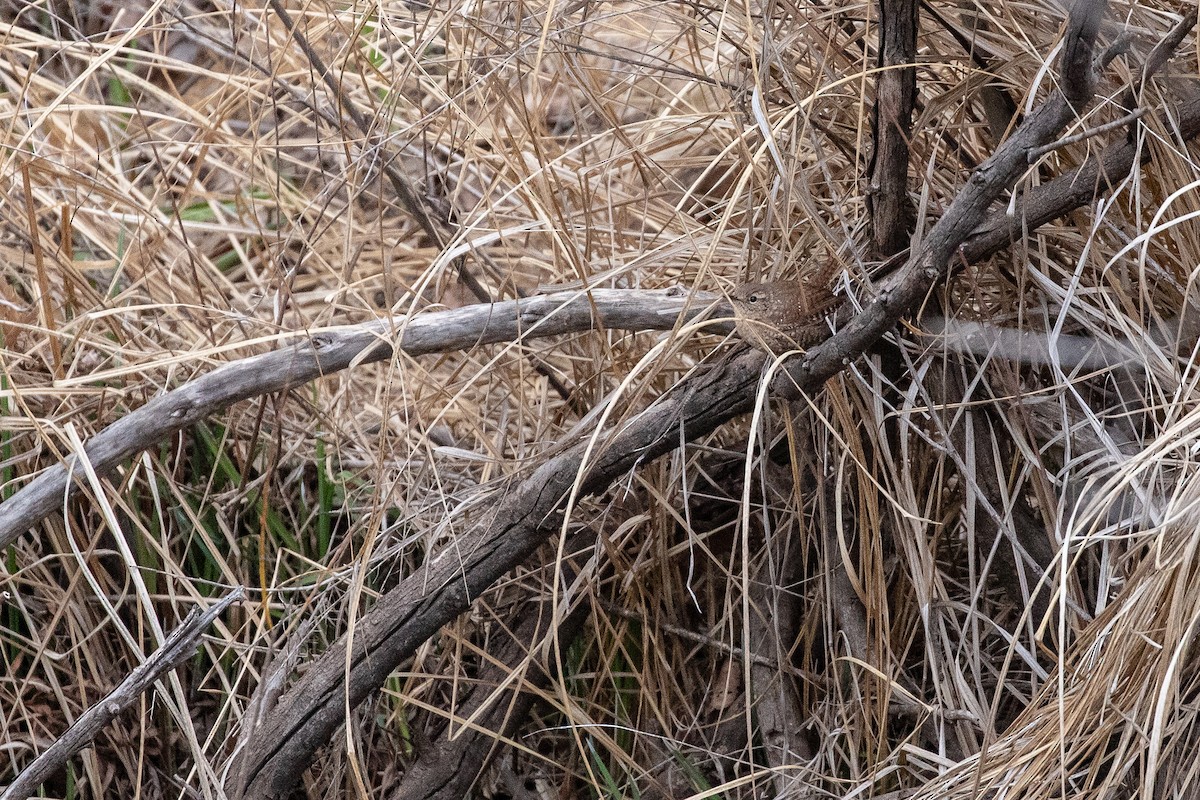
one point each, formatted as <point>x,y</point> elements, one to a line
<point>895,95</point>
<point>1075,63</point>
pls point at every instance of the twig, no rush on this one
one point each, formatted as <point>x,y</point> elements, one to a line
<point>687,634</point>
<point>488,324</point>
<point>1158,58</point>
<point>1038,152</point>
<point>1099,174</point>
<point>1031,348</point>
<point>448,769</point>
<point>408,196</point>
<point>177,648</point>
<point>929,264</point>
<point>525,513</point>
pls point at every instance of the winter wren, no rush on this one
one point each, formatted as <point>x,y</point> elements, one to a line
<point>783,315</point>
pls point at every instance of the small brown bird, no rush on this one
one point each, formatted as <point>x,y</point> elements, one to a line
<point>783,315</point>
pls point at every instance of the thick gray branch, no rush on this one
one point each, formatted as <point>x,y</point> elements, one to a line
<point>1099,174</point>
<point>530,510</point>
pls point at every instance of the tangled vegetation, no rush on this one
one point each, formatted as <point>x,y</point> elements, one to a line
<point>407,320</point>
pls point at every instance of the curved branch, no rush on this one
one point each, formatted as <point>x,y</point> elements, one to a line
<point>1099,174</point>
<point>490,324</point>
<point>532,508</point>
<point>530,511</point>
<point>328,351</point>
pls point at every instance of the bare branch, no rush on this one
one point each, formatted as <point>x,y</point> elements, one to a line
<point>488,324</point>
<point>1158,58</point>
<point>1076,76</point>
<point>527,513</point>
<point>402,186</point>
<point>930,263</point>
<point>1099,174</point>
<point>179,647</point>
<point>891,209</point>
<point>532,508</point>
<point>330,351</point>
<point>448,769</point>
<point>1076,138</point>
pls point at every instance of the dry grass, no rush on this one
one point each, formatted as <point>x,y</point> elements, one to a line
<point>183,189</point>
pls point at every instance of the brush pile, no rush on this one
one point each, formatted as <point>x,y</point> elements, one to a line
<point>271,304</point>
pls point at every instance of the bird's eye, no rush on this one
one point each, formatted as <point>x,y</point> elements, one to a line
<point>752,298</point>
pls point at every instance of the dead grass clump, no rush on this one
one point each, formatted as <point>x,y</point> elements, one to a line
<point>964,567</point>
